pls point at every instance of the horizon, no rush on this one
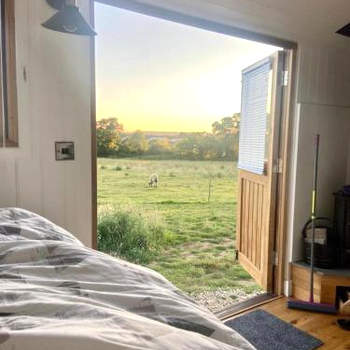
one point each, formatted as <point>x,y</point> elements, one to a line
<point>161,132</point>
<point>141,75</point>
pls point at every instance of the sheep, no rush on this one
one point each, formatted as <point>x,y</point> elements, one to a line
<point>153,180</point>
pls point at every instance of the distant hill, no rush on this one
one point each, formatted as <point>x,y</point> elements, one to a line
<point>173,137</point>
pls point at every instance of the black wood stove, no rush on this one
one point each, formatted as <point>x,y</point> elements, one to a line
<point>342,226</point>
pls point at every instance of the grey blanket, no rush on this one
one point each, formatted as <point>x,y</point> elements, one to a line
<point>60,295</point>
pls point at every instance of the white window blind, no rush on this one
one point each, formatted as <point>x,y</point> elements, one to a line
<point>255,91</point>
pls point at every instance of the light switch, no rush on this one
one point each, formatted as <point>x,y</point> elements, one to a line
<point>64,150</point>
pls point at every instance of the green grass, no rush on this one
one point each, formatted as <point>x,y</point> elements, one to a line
<point>198,252</point>
<point>127,234</point>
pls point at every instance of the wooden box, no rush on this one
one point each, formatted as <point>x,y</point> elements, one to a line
<point>325,283</point>
<point>344,306</point>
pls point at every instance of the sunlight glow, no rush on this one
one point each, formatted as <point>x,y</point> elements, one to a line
<point>158,75</point>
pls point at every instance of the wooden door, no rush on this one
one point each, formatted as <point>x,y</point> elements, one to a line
<point>257,189</point>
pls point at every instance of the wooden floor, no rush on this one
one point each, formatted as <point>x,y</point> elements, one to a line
<point>319,325</point>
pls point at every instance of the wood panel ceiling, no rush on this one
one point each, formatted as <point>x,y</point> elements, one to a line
<point>309,21</point>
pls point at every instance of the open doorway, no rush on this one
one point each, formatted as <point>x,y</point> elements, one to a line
<point>169,115</point>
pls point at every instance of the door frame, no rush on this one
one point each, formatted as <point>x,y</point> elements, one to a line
<point>288,110</point>
<point>93,130</point>
<point>283,179</point>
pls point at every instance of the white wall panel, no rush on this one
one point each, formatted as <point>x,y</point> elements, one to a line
<point>323,98</point>
<point>324,76</point>
<point>333,124</point>
<point>8,177</point>
<point>54,105</point>
<point>29,186</point>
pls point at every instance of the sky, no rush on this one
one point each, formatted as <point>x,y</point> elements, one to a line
<point>157,75</point>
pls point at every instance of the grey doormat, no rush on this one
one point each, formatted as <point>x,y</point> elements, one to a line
<point>268,332</point>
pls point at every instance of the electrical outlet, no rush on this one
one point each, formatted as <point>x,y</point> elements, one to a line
<point>64,151</point>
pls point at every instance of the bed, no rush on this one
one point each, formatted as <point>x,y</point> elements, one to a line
<point>58,294</point>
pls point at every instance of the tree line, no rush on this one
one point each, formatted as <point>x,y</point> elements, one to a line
<point>219,144</point>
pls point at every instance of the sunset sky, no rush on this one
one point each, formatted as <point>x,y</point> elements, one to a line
<point>157,75</point>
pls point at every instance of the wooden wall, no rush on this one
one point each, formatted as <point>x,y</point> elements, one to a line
<point>54,99</point>
<point>324,76</point>
<point>322,106</point>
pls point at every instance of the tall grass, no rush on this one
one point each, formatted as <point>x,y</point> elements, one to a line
<point>173,229</point>
<point>129,234</point>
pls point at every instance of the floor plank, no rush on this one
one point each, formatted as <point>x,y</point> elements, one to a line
<point>319,325</point>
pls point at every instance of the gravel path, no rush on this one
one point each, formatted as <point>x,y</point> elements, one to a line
<point>219,299</point>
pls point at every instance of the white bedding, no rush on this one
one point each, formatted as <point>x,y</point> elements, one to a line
<point>57,294</point>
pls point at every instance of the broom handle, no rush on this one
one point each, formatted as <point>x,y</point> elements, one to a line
<point>313,217</point>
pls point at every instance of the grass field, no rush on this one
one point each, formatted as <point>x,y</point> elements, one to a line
<point>199,255</point>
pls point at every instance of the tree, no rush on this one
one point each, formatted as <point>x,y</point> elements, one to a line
<point>108,132</point>
<point>217,128</point>
<point>227,133</point>
<point>160,146</point>
<point>227,125</point>
<point>135,144</point>
<point>188,147</point>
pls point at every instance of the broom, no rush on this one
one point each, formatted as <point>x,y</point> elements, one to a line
<point>311,305</point>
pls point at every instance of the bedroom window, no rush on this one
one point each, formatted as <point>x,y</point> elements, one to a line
<point>8,88</point>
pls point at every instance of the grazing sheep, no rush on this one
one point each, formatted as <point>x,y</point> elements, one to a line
<point>153,180</point>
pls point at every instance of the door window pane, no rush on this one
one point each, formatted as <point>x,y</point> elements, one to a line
<point>254,118</point>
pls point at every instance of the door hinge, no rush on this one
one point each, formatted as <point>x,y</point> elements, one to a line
<point>278,166</point>
<point>285,78</point>
<point>275,258</point>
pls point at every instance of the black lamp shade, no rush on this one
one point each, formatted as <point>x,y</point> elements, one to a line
<point>345,30</point>
<point>69,20</point>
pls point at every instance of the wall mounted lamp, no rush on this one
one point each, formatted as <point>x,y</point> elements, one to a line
<point>68,19</point>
